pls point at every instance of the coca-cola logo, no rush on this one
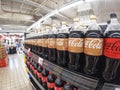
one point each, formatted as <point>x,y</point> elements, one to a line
<point>52,42</point>
<point>113,46</point>
<point>46,41</point>
<point>60,42</point>
<point>93,43</point>
<point>40,41</point>
<point>75,42</point>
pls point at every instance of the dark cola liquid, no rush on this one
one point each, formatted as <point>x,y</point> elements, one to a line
<point>33,45</point>
<point>112,54</point>
<point>50,81</point>
<point>25,44</point>
<point>62,54</point>
<point>36,46</point>
<point>76,59</point>
<point>40,46</point>
<point>52,51</point>
<point>45,47</point>
<point>92,61</point>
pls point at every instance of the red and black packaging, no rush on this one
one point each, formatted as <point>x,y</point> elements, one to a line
<point>69,87</point>
<point>59,84</point>
<point>50,81</point>
<point>45,73</point>
<point>112,49</point>
<point>39,74</point>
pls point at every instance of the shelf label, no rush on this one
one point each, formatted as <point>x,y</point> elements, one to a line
<point>40,60</point>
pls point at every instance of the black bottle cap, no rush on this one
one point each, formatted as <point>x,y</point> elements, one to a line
<point>113,15</point>
<point>68,87</point>
<point>108,22</point>
<point>51,78</point>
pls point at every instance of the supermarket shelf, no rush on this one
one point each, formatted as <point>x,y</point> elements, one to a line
<point>80,81</point>
<point>76,79</point>
<point>108,86</point>
<point>38,84</point>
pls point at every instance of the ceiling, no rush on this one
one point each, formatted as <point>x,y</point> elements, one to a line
<point>18,15</point>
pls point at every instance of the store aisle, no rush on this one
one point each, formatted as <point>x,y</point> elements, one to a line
<point>14,77</point>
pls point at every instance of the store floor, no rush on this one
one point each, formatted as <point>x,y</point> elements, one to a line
<point>14,77</point>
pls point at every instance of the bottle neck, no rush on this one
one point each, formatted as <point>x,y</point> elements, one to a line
<point>93,21</point>
<point>114,20</point>
<point>93,25</point>
<point>76,25</point>
<point>54,30</point>
<point>64,29</point>
<point>47,31</point>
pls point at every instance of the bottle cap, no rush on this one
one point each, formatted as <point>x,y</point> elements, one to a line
<point>47,27</point>
<point>108,22</point>
<point>92,17</point>
<point>76,19</point>
<point>64,23</point>
<point>53,25</point>
<point>113,15</point>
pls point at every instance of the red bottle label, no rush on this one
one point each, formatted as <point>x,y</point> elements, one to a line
<point>44,79</point>
<point>58,88</point>
<point>112,48</point>
<point>50,85</point>
<point>35,71</point>
<point>39,75</point>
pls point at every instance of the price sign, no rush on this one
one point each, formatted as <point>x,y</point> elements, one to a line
<point>28,50</point>
<point>40,60</point>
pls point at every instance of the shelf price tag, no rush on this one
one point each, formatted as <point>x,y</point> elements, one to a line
<point>40,60</point>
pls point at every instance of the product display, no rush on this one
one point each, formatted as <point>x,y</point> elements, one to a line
<point>92,54</point>
<point>62,46</point>
<point>112,48</point>
<point>51,81</point>
<point>93,46</point>
<point>75,46</point>
<point>52,50</point>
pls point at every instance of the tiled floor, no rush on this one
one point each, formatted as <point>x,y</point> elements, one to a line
<point>14,77</point>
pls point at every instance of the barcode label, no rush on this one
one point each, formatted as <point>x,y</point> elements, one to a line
<point>40,60</point>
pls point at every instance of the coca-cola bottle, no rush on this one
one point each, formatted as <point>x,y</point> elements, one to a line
<point>50,81</point>
<point>112,48</point>
<point>52,52</point>
<point>75,46</point>
<point>40,44</point>
<point>37,38</point>
<point>93,47</point>
<point>62,46</point>
<point>39,74</point>
<point>35,69</point>
<point>45,73</point>
<point>59,84</point>
<point>45,44</point>
<point>31,65</point>
<point>32,44</point>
